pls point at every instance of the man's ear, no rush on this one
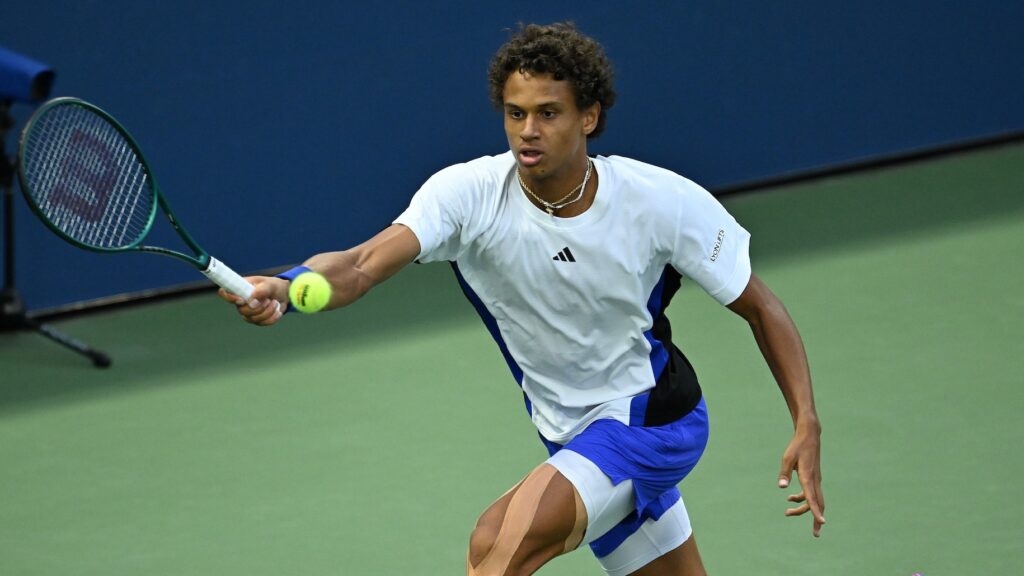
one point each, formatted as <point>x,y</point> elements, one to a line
<point>590,117</point>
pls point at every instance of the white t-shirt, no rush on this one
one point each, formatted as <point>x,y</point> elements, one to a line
<point>567,298</point>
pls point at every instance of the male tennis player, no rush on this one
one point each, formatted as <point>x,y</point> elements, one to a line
<point>571,262</point>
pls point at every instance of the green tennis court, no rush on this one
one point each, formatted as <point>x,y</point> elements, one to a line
<point>368,440</point>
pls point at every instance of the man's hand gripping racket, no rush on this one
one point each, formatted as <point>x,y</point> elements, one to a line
<point>266,303</point>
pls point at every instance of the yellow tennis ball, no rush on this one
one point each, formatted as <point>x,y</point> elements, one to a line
<point>309,292</point>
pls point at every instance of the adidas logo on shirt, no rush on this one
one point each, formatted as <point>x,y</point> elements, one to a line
<point>565,255</point>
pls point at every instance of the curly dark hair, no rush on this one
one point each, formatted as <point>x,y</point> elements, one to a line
<point>564,52</point>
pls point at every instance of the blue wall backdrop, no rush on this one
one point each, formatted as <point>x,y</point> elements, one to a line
<point>279,129</point>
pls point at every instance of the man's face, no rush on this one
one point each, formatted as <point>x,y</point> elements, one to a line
<point>545,130</point>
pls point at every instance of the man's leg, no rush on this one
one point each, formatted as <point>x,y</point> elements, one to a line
<point>665,547</point>
<point>537,520</point>
<point>683,561</point>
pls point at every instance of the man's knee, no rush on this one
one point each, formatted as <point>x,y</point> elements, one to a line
<point>482,539</point>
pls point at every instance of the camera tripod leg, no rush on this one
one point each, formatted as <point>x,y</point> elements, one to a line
<point>99,359</point>
<point>13,318</point>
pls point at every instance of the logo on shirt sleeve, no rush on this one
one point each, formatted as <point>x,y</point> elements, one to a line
<point>718,245</point>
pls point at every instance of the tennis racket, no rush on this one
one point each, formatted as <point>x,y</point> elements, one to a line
<point>87,180</point>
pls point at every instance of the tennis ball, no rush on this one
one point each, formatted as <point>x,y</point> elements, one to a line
<point>309,292</point>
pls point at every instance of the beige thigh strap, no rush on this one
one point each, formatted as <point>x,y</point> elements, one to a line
<point>579,528</point>
<point>518,519</point>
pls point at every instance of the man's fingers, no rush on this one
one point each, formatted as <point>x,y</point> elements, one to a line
<point>234,299</point>
<point>262,312</point>
<point>812,491</point>
<point>274,313</point>
<point>261,293</point>
<point>803,509</point>
<point>810,501</point>
<point>786,472</point>
<point>798,511</point>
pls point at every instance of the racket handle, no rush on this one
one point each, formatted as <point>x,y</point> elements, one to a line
<point>227,279</point>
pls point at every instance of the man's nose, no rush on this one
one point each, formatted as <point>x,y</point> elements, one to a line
<point>529,131</point>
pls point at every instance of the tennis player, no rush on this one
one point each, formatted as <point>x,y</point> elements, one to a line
<point>571,261</point>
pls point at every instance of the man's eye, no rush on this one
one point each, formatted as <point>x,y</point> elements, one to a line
<point>515,114</point>
<point>549,114</point>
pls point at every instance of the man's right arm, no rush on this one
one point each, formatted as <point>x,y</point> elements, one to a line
<point>351,274</point>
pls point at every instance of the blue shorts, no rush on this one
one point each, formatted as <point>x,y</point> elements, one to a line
<point>654,458</point>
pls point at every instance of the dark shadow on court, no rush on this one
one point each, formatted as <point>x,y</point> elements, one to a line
<point>200,334</point>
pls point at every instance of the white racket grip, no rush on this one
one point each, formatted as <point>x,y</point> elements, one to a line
<point>228,279</point>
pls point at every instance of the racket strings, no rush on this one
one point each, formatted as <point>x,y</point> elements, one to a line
<point>86,179</point>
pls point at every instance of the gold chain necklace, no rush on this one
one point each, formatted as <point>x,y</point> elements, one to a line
<point>564,201</point>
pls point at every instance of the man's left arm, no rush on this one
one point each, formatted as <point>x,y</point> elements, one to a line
<point>783,350</point>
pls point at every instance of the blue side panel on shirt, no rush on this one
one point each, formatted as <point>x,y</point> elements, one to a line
<point>638,409</point>
<point>659,355</point>
<point>492,327</point>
